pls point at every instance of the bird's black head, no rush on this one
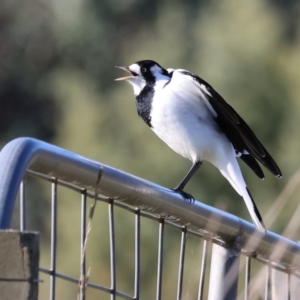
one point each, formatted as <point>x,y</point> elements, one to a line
<point>144,72</point>
<point>151,70</point>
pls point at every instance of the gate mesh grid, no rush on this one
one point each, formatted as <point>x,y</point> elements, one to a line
<point>261,287</point>
<point>263,282</point>
<point>81,281</point>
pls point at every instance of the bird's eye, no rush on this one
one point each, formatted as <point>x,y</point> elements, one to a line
<point>144,70</point>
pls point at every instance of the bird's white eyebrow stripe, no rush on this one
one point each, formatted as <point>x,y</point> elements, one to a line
<point>135,68</point>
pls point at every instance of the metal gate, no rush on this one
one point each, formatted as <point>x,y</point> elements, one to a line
<point>228,249</point>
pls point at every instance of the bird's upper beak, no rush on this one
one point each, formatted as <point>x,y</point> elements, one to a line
<point>126,77</point>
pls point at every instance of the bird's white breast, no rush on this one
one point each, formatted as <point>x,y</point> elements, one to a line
<point>180,116</point>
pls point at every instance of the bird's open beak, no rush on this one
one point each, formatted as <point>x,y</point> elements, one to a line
<point>126,77</point>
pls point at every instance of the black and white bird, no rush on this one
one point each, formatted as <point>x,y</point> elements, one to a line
<point>196,122</point>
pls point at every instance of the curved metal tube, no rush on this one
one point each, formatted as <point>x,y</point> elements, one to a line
<point>27,153</point>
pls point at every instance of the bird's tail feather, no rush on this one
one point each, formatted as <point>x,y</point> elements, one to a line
<point>233,174</point>
<point>254,213</point>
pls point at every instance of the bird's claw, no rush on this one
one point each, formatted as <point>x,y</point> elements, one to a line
<point>188,197</point>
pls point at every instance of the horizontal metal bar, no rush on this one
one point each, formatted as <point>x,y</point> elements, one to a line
<point>89,284</point>
<point>27,153</point>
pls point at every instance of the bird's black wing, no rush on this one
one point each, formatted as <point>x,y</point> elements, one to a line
<point>238,132</point>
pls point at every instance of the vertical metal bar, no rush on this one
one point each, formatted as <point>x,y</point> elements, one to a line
<point>268,283</point>
<point>223,274</point>
<point>181,262</point>
<point>247,277</point>
<point>160,258</point>
<point>137,246</point>
<point>22,205</point>
<point>82,247</point>
<point>53,238</point>
<point>112,249</point>
<point>288,286</point>
<point>202,270</point>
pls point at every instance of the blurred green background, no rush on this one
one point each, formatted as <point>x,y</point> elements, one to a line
<point>57,84</point>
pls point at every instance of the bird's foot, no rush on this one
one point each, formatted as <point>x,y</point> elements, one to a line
<point>188,197</point>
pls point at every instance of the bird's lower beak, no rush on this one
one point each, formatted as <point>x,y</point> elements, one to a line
<point>126,77</point>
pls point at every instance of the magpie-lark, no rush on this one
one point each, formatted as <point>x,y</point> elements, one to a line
<point>196,122</point>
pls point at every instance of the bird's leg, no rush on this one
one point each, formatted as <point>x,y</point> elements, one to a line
<point>179,188</point>
<point>188,176</point>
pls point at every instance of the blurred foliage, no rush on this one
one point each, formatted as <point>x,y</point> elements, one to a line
<point>56,83</point>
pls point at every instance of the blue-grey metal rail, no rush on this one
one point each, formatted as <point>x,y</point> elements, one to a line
<point>225,229</point>
<point>28,153</point>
